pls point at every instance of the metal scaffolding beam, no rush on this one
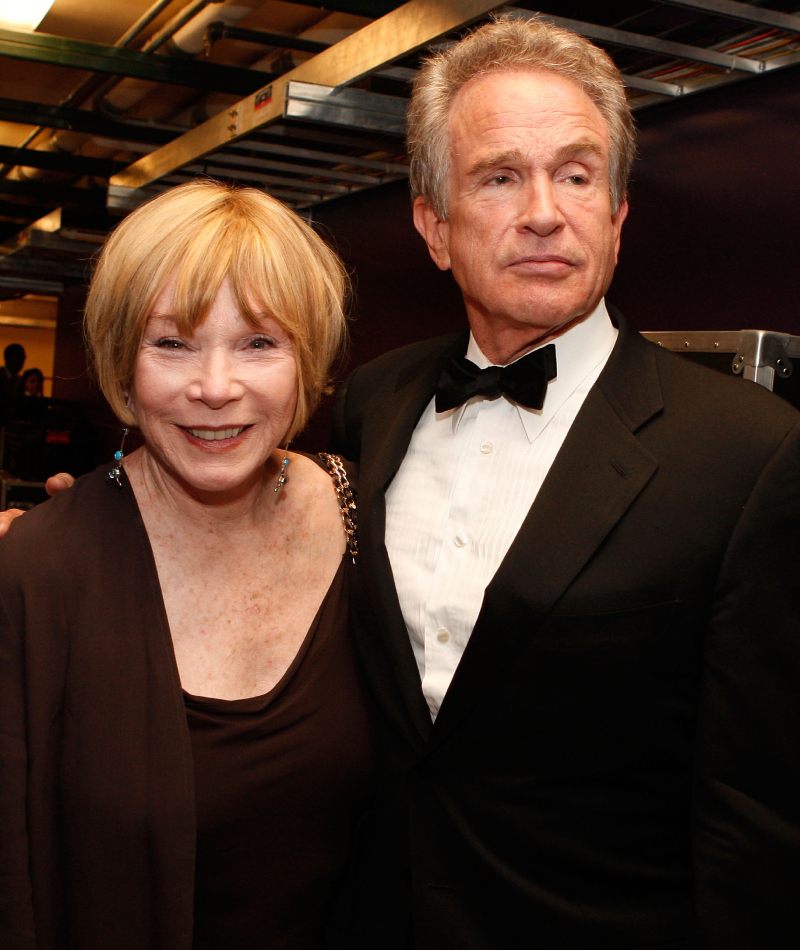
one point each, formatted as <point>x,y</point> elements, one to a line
<point>95,57</point>
<point>59,161</point>
<point>10,209</point>
<point>642,84</point>
<point>79,120</point>
<point>315,155</point>
<point>653,44</point>
<point>743,11</point>
<point>52,195</point>
<point>219,30</point>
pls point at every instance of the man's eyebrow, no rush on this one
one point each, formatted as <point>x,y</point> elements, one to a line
<point>576,149</point>
<point>515,156</point>
<point>512,157</point>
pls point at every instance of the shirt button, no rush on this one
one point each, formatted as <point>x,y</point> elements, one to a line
<point>487,447</point>
<point>461,539</point>
<point>442,635</point>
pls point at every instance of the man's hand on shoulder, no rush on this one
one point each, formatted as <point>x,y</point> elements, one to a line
<point>57,483</point>
<point>54,485</point>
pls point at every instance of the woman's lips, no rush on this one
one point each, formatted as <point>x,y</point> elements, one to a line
<point>215,435</point>
<point>217,438</point>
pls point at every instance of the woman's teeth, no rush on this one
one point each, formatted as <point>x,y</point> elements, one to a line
<point>214,435</point>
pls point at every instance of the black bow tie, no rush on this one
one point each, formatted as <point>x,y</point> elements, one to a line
<point>524,381</point>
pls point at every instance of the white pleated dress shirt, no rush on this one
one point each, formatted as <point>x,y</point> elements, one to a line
<point>463,490</point>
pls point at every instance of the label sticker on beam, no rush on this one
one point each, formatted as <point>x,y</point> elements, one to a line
<point>263,98</point>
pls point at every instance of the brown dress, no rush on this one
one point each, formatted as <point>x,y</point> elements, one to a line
<point>279,781</point>
<point>111,813</point>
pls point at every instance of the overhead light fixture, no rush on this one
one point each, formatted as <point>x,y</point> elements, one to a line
<point>23,14</point>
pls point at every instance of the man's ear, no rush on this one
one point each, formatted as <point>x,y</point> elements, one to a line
<point>618,220</point>
<point>434,232</point>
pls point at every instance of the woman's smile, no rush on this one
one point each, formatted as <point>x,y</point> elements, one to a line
<point>216,438</point>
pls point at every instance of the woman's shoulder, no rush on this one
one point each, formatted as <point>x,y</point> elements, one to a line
<point>332,481</point>
<point>63,526</point>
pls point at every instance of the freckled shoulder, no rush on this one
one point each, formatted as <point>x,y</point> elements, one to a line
<point>314,487</point>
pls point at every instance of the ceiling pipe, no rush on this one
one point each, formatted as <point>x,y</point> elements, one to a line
<point>219,30</point>
<point>328,31</point>
<point>182,36</point>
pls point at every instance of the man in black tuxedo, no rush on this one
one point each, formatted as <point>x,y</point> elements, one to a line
<point>577,577</point>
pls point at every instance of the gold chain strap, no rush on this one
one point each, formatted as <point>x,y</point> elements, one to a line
<point>347,503</point>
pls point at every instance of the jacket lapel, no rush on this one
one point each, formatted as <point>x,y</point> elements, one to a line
<point>596,476</point>
<point>383,448</point>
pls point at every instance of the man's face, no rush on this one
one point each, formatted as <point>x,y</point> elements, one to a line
<point>530,236</point>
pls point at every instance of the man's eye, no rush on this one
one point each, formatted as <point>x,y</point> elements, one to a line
<point>499,179</point>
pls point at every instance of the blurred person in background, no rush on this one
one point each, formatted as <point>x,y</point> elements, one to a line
<point>10,380</point>
<point>32,382</point>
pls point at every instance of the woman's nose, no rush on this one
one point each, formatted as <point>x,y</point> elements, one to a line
<point>216,382</point>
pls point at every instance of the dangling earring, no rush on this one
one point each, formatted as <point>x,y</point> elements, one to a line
<point>282,473</point>
<point>113,475</point>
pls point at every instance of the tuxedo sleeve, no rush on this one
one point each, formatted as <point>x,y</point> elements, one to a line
<point>747,816</point>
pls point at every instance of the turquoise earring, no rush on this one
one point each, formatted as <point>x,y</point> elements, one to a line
<point>113,475</point>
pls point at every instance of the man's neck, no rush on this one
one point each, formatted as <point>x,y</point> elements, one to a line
<point>502,344</point>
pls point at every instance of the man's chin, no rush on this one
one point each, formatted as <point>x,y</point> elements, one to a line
<point>551,320</point>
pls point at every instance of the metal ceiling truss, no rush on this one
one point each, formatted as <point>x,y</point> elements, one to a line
<point>53,195</point>
<point>726,67</point>
<point>239,144</point>
<point>743,11</point>
<point>315,92</point>
<point>117,61</point>
<point>59,161</point>
<point>20,212</point>
<point>308,136</point>
<point>220,30</point>
<point>81,120</point>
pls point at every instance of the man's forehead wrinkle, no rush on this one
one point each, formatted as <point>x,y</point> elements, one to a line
<point>522,125</point>
<point>489,157</point>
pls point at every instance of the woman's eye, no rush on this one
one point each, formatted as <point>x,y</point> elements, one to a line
<point>261,343</point>
<point>169,343</point>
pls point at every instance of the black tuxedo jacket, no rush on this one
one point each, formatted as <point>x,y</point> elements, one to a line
<point>616,762</point>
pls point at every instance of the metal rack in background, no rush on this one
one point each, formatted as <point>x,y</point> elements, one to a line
<point>759,355</point>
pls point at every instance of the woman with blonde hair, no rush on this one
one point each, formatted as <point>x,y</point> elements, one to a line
<point>185,743</point>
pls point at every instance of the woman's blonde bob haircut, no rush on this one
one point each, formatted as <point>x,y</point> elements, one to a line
<point>517,45</point>
<point>197,235</point>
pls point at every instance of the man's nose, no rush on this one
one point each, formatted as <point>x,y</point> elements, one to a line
<point>216,381</point>
<point>539,211</point>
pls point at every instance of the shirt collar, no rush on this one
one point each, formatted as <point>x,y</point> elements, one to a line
<point>579,351</point>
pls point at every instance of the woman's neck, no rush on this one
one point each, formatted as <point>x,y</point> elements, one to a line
<point>246,506</point>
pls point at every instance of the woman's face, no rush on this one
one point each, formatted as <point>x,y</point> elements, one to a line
<point>213,407</point>
<point>33,385</point>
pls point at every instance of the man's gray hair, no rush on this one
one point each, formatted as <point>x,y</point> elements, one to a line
<point>510,44</point>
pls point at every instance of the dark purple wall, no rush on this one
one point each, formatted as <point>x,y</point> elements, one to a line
<point>713,238</point>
